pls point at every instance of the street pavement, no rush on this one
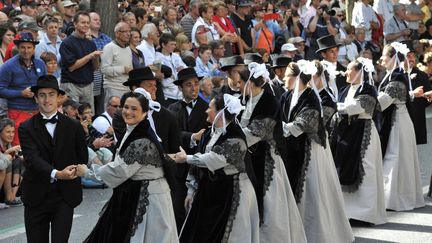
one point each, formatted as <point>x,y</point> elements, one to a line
<point>406,227</point>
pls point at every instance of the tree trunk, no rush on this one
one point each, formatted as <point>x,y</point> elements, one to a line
<point>108,11</point>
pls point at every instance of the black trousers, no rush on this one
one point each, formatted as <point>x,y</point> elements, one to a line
<point>53,211</point>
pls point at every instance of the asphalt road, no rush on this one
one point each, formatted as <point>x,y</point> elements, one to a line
<point>411,226</point>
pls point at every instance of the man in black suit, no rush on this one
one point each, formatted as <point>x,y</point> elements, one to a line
<point>280,63</point>
<point>191,117</point>
<point>329,50</point>
<point>164,121</point>
<point>50,187</point>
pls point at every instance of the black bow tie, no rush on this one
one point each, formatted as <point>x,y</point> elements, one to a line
<point>53,120</point>
<point>190,104</point>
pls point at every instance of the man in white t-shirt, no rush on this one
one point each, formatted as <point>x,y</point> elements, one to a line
<point>103,123</point>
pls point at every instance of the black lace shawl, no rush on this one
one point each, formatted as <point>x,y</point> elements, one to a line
<point>218,196</point>
<point>384,120</point>
<point>298,148</point>
<point>264,113</point>
<point>352,138</point>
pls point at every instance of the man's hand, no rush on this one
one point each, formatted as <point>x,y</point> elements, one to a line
<point>68,173</point>
<point>418,92</point>
<point>406,32</point>
<point>95,54</point>
<point>197,136</point>
<point>27,93</point>
<point>188,202</point>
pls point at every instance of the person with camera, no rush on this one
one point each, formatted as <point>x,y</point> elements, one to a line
<point>322,24</point>
<point>364,16</point>
<point>10,164</point>
<point>100,146</point>
<point>396,29</point>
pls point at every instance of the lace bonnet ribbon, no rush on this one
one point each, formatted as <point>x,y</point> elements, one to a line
<point>153,105</point>
<point>232,105</point>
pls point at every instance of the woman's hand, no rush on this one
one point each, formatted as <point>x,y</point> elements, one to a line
<point>179,157</point>
<point>14,149</point>
<point>188,202</point>
<point>81,170</point>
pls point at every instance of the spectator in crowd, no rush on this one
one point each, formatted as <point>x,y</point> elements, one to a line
<point>16,77</point>
<point>321,24</point>
<point>7,35</point>
<point>206,89</point>
<point>100,40</point>
<point>11,156</point>
<point>428,33</point>
<point>384,9</point>
<point>426,7</point>
<point>299,43</point>
<point>203,66</point>
<point>362,44</point>
<point>204,30</point>
<point>218,52</point>
<point>173,61</point>
<point>103,123</point>
<point>70,108</point>
<point>50,42</point>
<point>150,35</point>
<point>45,6</point>
<point>170,17</point>
<point>116,62</point>
<point>348,50</point>
<point>289,50</point>
<point>130,19</point>
<point>50,60</point>
<point>138,59</point>
<point>266,30</point>
<point>94,139</point>
<point>69,8</point>
<point>23,26</point>
<point>188,21</point>
<point>3,18</point>
<point>396,29</point>
<point>141,18</point>
<point>29,8</point>
<point>414,16</point>
<point>224,25</point>
<point>242,20</point>
<point>183,46</point>
<point>80,58</point>
<point>364,16</point>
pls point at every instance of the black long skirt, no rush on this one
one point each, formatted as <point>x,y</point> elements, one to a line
<point>117,216</point>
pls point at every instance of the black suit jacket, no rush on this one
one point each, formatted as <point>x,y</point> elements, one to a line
<point>42,154</point>
<point>340,79</point>
<point>419,105</point>
<point>192,123</point>
<point>168,130</point>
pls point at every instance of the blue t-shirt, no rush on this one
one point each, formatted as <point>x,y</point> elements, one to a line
<point>72,49</point>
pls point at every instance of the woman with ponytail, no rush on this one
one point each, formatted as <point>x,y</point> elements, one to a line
<point>221,199</point>
<point>310,166</point>
<point>279,215</point>
<point>356,146</point>
<point>402,180</point>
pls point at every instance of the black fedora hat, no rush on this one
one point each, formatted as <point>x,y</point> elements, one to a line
<point>281,61</point>
<point>46,81</point>
<point>185,74</point>
<point>139,74</point>
<point>26,37</point>
<point>326,42</point>
<point>252,57</point>
<point>229,62</point>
